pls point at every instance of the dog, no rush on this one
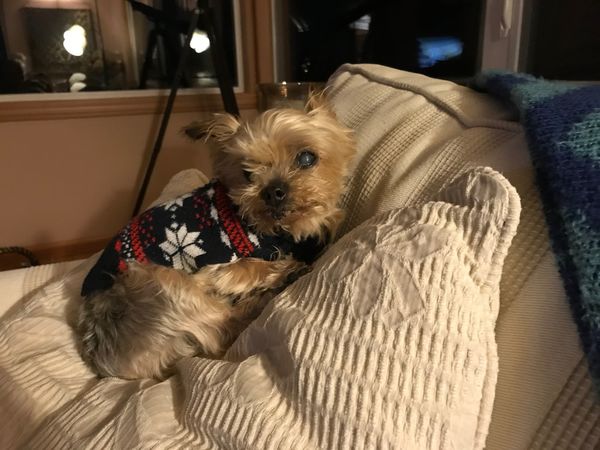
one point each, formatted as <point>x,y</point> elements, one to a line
<point>272,208</point>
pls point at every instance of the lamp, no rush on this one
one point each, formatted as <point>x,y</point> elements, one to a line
<point>65,40</point>
<point>200,42</point>
<point>75,40</point>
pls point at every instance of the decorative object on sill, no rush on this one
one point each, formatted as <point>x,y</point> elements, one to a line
<point>31,258</point>
<point>204,12</point>
<point>285,94</point>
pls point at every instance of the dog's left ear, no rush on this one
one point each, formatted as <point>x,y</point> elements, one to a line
<point>317,103</point>
<point>220,128</point>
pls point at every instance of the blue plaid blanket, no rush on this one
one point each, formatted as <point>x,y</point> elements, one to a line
<point>562,124</point>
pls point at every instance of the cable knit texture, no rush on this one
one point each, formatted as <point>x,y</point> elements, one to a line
<point>389,342</point>
<point>562,123</point>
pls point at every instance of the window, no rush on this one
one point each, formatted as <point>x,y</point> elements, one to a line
<point>100,45</point>
<point>434,37</point>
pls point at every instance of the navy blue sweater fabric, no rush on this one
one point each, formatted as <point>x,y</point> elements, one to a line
<point>189,232</point>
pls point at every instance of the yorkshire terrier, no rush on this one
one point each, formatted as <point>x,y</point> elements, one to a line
<point>186,277</point>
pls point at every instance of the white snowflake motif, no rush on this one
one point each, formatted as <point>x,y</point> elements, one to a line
<point>254,239</point>
<point>225,239</point>
<point>214,214</point>
<point>182,247</point>
<point>172,205</point>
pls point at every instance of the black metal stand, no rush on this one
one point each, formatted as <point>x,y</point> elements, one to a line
<point>168,25</point>
<point>202,12</point>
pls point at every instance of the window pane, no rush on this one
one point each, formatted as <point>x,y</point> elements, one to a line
<point>434,37</point>
<point>94,45</point>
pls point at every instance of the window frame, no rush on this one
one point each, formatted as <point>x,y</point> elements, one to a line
<point>257,67</point>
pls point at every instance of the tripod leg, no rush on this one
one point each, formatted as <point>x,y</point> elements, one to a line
<point>150,48</point>
<point>218,55</point>
<point>168,109</point>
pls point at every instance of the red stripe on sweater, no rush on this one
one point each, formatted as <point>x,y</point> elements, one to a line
<point>136,244</point>
<point>231,222</point>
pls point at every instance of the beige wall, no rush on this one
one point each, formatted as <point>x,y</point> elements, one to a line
<point>76,179</point>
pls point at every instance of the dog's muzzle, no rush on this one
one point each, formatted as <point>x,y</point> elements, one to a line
<point>275,196</point>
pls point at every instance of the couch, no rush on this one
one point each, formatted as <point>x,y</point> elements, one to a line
<point>522,380</point>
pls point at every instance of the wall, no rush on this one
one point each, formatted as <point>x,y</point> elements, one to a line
<point>75,180</point>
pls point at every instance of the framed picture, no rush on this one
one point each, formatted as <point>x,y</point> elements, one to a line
<point>63,42</point>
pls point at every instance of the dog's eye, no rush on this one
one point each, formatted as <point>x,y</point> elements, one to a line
<point>306,159</point>
<point>247,174</point>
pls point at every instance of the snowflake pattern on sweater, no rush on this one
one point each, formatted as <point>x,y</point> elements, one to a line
<point>189,232</point>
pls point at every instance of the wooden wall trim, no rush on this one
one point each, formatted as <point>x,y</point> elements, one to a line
<point>263,19</point>
<point>248,44</point>
<point>16,111</point>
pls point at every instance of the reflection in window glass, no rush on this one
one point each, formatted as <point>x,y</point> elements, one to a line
<point>95,45</point>
<point>435,37</point>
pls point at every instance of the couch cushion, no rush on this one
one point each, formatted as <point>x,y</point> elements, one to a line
<point>416,133</point>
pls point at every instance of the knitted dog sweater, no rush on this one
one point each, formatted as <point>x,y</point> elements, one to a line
<point>189,232</point>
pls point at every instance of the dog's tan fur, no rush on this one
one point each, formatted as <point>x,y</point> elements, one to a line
<point>154,315</point>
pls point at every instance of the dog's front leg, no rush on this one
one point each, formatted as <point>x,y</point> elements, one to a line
<point>251,275</point>
<point>247,284</point>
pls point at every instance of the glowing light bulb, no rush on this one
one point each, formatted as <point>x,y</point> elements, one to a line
<point>200,41</point>
<point>75,41</point>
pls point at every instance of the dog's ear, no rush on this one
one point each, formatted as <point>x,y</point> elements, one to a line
<point>317,103</point>
<point>220,128</point>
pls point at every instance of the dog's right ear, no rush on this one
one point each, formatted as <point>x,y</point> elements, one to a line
<point>221,128</point>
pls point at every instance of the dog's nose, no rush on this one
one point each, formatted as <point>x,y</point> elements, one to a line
<point>275,193</point>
